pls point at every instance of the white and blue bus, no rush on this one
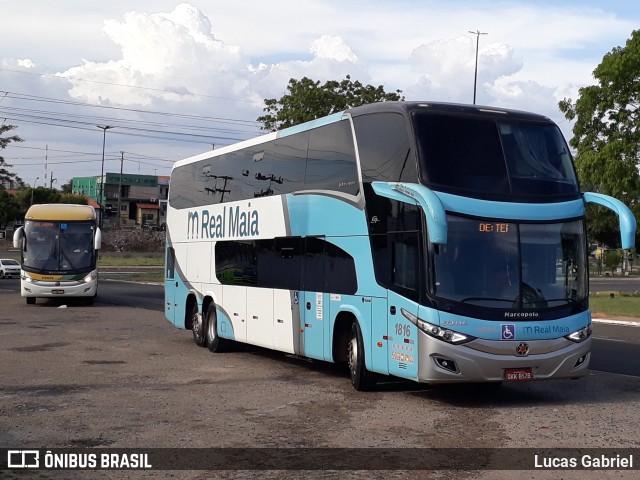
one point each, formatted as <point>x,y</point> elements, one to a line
<point>434,242</point>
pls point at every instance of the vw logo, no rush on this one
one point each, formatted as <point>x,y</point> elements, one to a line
<point>522,349</point>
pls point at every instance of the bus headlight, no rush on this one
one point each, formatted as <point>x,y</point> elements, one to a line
<point>26,278</point>
<point>90,277</point>
<point>580,335</point>
<point>435,331</point>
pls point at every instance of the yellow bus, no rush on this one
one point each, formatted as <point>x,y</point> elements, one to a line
<point>59,246</point>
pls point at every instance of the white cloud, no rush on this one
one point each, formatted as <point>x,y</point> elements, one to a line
<point>446,69</point>
<point>26,63</point>
<point>161,53</point>
<point>334,48</point>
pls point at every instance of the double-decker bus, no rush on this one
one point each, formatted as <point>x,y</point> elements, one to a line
<point>59,245</point>
<point>434,242</point>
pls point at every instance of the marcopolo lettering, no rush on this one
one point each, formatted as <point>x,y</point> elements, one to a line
<point>232,222</point>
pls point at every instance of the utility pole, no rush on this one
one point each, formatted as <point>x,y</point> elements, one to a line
<point>477,33</point>
<point>35,182</point>
<point>46,159</point>
<point>120,186</point>
<point>100,199</point>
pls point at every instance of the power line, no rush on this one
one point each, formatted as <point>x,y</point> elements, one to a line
<point>191,94</point>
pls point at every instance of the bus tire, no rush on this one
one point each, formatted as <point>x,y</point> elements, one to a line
<point>30,300</point>
<point>361,378</point>
<point>197,326</point>
<point>214,342</point>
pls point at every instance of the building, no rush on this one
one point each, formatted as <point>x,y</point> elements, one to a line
<point>128,198</point>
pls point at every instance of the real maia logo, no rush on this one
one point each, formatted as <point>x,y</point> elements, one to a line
<point>233,222</point>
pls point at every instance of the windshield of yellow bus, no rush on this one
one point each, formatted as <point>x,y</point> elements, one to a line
<point>58,246</point>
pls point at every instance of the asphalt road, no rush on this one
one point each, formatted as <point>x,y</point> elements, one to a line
<point>620,284</point>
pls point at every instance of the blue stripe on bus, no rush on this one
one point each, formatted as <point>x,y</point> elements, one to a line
<point>507,210</point>
<point>524,330</point>
<point>336,117</point>
<point>321,215</point>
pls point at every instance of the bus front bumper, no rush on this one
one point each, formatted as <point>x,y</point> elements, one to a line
<point>41,289</point>
<point>497,361</point>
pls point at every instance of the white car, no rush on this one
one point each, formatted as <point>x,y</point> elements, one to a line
<point>9,268</point>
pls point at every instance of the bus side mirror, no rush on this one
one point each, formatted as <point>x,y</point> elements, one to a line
<point>17,238</point>
<point>97,240</point>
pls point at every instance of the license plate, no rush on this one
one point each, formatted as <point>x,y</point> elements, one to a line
<point>517,374</point>
<point>57,292</point>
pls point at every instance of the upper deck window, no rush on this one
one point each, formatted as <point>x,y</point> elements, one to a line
<point>494,158</point>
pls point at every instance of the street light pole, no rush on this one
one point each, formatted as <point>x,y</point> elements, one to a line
<point>101,199</point>
<point>477,33</point>
<point>32,188</point>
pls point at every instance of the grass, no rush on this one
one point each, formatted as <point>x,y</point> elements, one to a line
<point>145,277</point>
<point>143,260</point>
<point>621,305</point>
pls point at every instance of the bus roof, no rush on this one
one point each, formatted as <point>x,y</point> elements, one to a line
<point>443,107</point>
<point>60,211</point>
<point>377,107</point>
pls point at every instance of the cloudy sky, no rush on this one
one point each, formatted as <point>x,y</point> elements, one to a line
<point>176,79</point>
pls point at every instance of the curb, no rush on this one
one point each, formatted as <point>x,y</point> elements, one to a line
<point>627,323</point>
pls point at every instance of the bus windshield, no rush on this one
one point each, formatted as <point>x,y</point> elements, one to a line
<point>474,155</point>
<point>498,264</point>
<point>58,246</point>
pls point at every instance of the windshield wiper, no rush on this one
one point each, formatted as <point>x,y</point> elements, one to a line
<point>486,299</point>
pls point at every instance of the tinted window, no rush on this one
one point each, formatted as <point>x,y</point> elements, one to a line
<point>538,159</point>
<point>462,153</point>
<point>279,263</point>
<point>340,271</point>
<point>291,263</point>
<point>493,157</point>
<point>272,168</point>
<point>288,163</point>
<point>396,244</point>
<point>331,160</point>
<point>383,144</point>
<point>170,263</point>
<point>236,263</point>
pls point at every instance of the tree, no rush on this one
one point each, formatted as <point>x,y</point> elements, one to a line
<point>9,209</point>
<point>308,100</point>
<point>30,196</point>
<point>7,177</point>
<point>612,260</point>
<point>606,134</point>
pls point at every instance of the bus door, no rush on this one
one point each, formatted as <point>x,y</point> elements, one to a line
<point>170,285</point>
<point>314,302</point>
<point>403,337</point>
<point>405,279</point>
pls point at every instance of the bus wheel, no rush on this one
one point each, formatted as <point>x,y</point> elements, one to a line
<point>30,300</point>
<point>196,326</point>
<point>361,378</point>
<point>214,342</point>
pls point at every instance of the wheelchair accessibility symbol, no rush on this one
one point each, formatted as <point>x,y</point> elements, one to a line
<point>508,331</point>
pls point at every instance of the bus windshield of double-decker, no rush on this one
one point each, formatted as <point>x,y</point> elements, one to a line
<point>54,246</point>
<point>494,157</point>
<point>498,264</point>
